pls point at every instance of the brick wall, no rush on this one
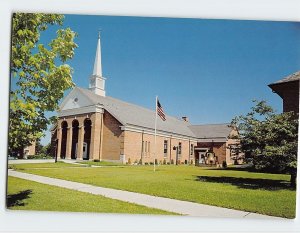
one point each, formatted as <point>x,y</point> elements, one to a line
<point>135,149</point>
<point>219,148</point>
<point>113,138</point>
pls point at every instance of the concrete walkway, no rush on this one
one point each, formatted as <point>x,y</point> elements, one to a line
<point>24,161</point>
<point>167,204</point>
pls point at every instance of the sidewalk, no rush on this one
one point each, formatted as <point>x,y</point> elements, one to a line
<point>167,204</point>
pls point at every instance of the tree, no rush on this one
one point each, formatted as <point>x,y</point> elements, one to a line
<point>269,140</point>
<point>39,75</point>
<point>38,147</point>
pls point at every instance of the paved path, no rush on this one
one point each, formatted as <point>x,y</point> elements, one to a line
<point>172,205</point>
<point>22,161</point>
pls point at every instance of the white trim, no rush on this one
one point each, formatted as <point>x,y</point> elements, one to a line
<point>212,140</point>
<point>82,110</point>
<point>159,133</point>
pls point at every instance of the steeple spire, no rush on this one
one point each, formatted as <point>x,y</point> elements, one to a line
<point>97,65</point>
<point>97,81</point>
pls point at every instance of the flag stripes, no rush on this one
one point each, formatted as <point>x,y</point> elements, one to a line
<point>160,111</point>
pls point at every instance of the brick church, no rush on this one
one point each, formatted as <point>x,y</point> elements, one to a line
<point>93,126</point>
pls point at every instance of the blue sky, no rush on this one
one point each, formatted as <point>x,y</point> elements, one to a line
<point>208,70</point>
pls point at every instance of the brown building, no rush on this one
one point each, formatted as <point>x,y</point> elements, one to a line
<point>219,139</point>
<point>94,126</point>
<point>29,150</point>
<point>288,89</point>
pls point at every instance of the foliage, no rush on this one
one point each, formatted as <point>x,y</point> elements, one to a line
<point>39,75</point>
<point>38,147</point>
<point>39,156</point>
<point>268,139</point>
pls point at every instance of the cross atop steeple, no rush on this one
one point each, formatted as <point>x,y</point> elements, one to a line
<point>97,82</point>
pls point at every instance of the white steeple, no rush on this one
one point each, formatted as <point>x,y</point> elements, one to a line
<point>97,82</point>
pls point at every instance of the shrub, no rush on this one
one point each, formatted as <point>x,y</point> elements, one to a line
<point>192,161</point>
<point>96,160</point>
<point>39,156</point>
<point>155,160</point>
<point>185,162</point>
<point>172,161</point>
<point>168,163</point>
<point>151,163</point>
<point>164,162</point>
<point>146,163</point>
<point>129,161</point>
<point>224,164</point>
<point>140,162</point>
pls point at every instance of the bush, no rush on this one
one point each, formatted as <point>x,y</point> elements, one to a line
<point>129,161</point>
<point>168,163</point>
<point>39,156</point>
<point>155,161</point>
<point>140,162</point>
<point>96,160</point>
<point>151,163</point>
<point>224,164</point>
<point>164,162</point>
<point>185,162</point>
<point>172,161</point>
<point>146,163</point>
<point>192,161</point>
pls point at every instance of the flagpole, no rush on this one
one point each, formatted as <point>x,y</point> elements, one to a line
<point>155,133</point>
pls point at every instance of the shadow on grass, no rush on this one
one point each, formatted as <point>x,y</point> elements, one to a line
<point>248,183</point>
<point>18,198</point>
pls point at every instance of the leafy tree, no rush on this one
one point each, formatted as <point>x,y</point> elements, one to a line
<point>269,140</point>
<point>39,75</point>
<point>38,147</point>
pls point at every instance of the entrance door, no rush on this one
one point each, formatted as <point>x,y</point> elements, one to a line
<point>84,151</point>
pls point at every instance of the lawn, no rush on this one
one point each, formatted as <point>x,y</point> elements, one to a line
<point>242,190</point>
<point>29,195</point>
<point>42,165</point>
<point>102,163</point>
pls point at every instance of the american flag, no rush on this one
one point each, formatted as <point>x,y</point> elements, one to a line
<point>160,111</point>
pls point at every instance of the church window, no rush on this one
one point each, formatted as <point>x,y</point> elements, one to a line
<point>179,148</point>
<point>165,148</point>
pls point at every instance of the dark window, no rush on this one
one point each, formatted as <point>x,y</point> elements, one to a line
<point>192,149</point>
<point>179,148</point>
<point>165,147</point>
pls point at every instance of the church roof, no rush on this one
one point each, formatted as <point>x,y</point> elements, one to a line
<point>134,115</point>
<point>291,78</point>
<point>211,130</point>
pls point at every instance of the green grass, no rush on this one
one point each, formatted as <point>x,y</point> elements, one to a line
<point>29,195</point>
<point>102,163</point>
<point>242,190</point>
<point>42,165</point>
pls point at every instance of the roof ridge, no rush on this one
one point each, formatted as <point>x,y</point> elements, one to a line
<point>80,88</point>
<point>211,124</point>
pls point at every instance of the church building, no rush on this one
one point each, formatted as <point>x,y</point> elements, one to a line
<point>93,126</point>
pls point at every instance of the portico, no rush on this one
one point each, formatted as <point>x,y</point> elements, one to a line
<point>79,137</point>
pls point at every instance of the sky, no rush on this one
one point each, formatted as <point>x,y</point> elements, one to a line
<point>207,70</point>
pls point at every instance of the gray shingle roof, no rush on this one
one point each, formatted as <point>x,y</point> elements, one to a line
<point>131,114</point>
<point>291,78</point>
<point>211,131</point>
